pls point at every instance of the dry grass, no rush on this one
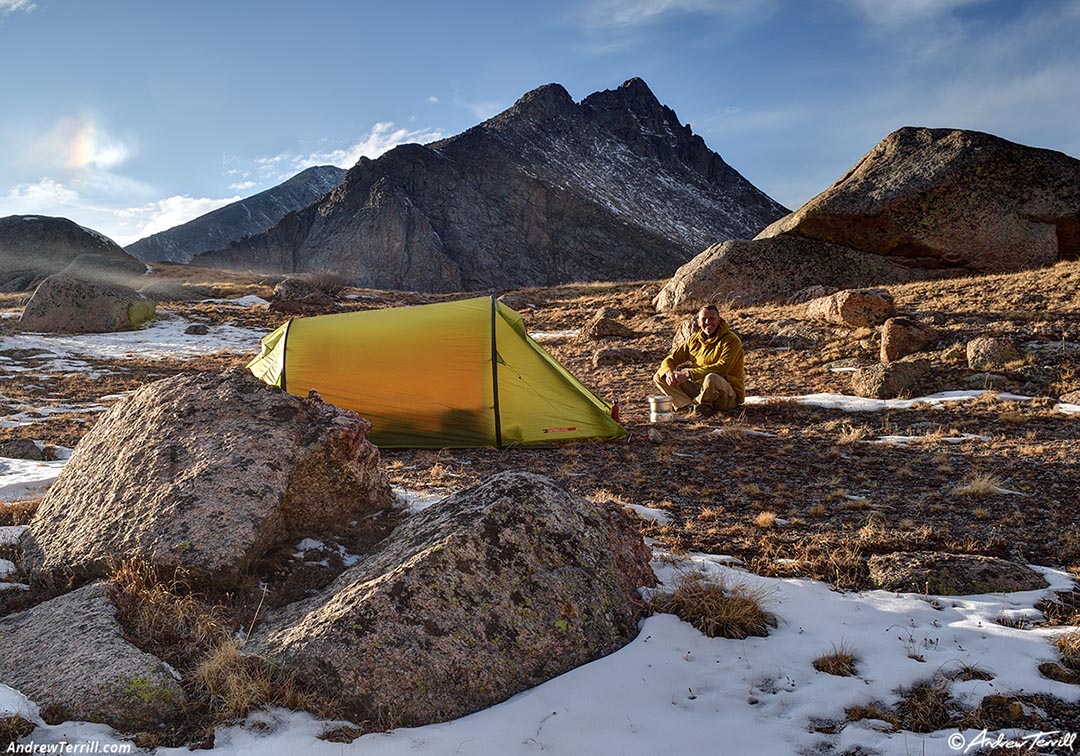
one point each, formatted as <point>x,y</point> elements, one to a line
<point>851,434</point>
<point>717,610</point>
<point>164,615</point>
<point>327,281</point>
<point>235,684</point>
<point>198,638</point>
<point>12,730</point>
<point>841,661</point>
<point>765,520</point>
<point>926,706</point>
<point>18,512</point>
<point>874,710</point>
<point>979,486</point>
<point>1069,646</point>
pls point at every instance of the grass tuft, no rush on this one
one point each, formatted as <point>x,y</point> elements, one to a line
<point>927,706</point>
<point>840,661</point>
<point>1069,646</point>
<point>717,610</point>
<point>979,486</point>
<point>765,520</point>
<point>236,684</point>
<point>12,730</point>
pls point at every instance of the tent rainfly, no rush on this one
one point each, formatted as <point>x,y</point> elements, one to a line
<point>452,374</point>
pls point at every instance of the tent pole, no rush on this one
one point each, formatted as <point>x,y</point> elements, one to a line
<point>285,351</point>
<point>495,377</point>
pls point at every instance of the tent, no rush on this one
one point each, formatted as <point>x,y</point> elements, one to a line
<point>452,374</point>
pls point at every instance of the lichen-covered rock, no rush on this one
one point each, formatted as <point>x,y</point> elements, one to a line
<point>888,381</point>
<point>63,304</point>
<point>853,307</point>
<point>296,295</point>
<point>21,448</point>
<point>945,574</point>
<point>104,268</point>
<point>683,332</point>
<point>69,656</point>
<point>992,353</point>
<point>207,472</point>
<point>903,336</point>
<point>489,592</point>
<point>949,199</point>
<point>775,269</point>
<point>802,296</point>
<point>601,327</point>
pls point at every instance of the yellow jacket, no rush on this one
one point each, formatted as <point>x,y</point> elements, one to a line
<point>720,353</point>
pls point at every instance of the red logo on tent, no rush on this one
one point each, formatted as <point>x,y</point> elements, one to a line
<point>560,430</point>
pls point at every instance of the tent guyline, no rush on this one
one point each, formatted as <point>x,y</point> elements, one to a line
<point>451,374</point>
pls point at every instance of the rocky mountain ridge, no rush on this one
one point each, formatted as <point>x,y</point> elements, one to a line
<point>550,190</point>
<point>251,215</point>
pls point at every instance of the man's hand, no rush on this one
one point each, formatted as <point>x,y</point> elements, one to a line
<point>676,377</point>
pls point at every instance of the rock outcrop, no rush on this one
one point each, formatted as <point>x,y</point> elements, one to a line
<point>69,655</point>
<point>549,191</point>
<point>945,574</point>
<point>245,217</point>
<point>33,247</point>
<point>600,328</point>
<point>125,271</point>
<point>903,336</point>
<point>857,308</point>
<point>924,203</point>
<point>780,268</point>
<point>992,353</point>
<point>489,592</point>
<point>208,472</point>
<point>889,381</point>
<point>296,296</point>
<point>946,198</point>
<point>63,304</point>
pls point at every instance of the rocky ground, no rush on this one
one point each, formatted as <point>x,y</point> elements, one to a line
<point>790,489</point>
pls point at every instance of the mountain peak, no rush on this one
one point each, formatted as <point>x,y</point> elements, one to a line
<point>544,102</point>
<point>633,96</point>
<point>635,89</point>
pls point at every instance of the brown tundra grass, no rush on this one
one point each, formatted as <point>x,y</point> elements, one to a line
<point>841,661</point>
<point>715,609</point>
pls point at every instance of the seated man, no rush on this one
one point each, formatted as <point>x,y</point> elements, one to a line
<point>713,378</point>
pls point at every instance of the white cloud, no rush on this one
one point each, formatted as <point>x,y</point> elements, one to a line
<point>164,214</point>
<point>241,186</point>
<point>124,225</point>
<point>74,144</point>
<point>10,6</point>
<point>44,192</point>
<point>433,99</point>
<point>635,13</point>
<point>893,13</point>
<point>614,27</point>
<point>382,137</point>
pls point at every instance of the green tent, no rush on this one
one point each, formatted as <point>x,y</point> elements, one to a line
<point>453,374</point>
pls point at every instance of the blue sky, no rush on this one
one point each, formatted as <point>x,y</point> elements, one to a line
<point>130,116</point>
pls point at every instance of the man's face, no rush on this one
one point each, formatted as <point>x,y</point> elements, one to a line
<point>708,321</point>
